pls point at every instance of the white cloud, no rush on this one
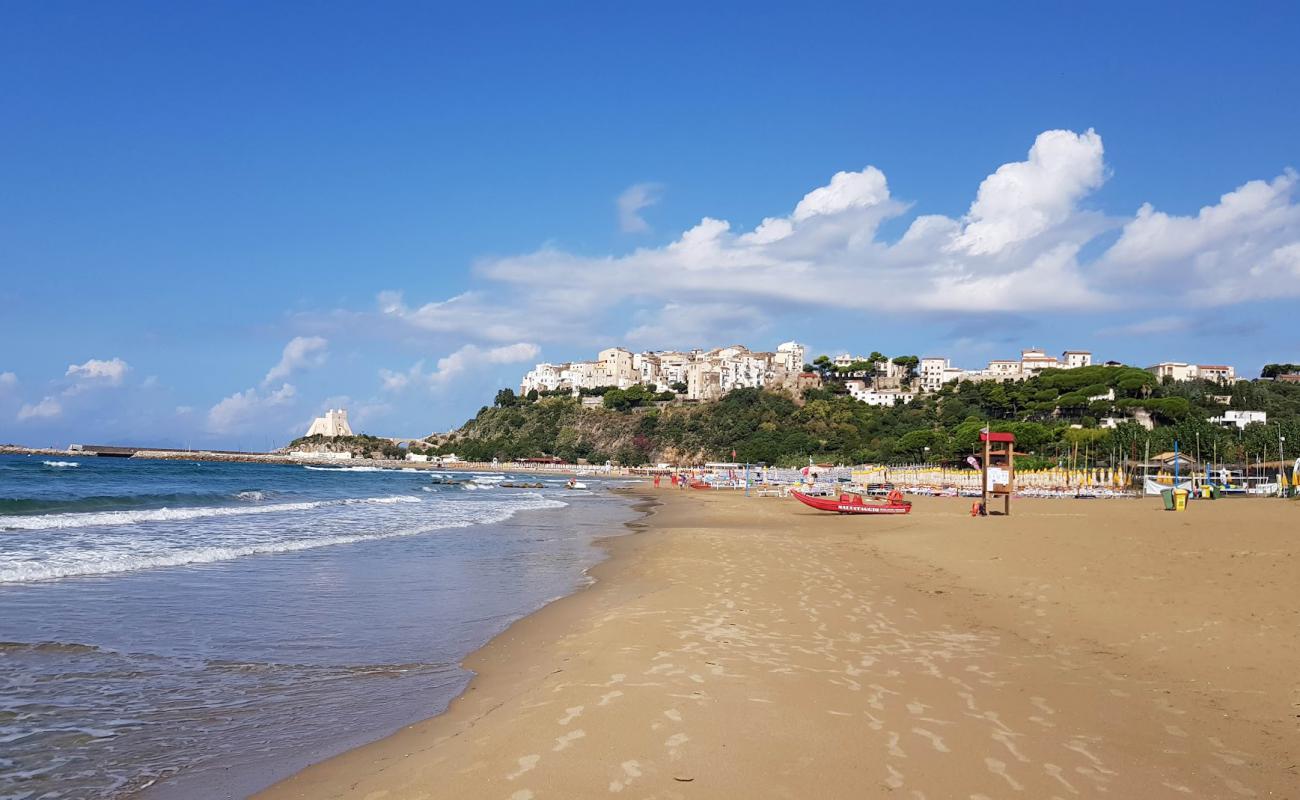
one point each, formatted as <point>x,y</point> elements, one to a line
<point>1247,246</point>
<point>8,380</point>
<point>397,381</point>
<point>845,191</point>
<point>1024,199</point>
<point>635,199</point>
<point>1022,244</point>
<point>469,314</point>
<point>300,353</point>
<point>99,372</point>
<point>468,356</point>
<point>457,363</point>
<point>47,408</point>
<point>241,409</point>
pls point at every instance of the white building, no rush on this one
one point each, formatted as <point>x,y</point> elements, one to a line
<point>791,356</point>
<point>1182,371</point>
<point>1073,359</point>
<point>543,378</point>
<point>1034,361</point>
<point>1220,373</point>
<point>1240,419</point>
<point>334,423</point>
<point>933,370</point>
<point>707,374</point>
<point>861,392</point>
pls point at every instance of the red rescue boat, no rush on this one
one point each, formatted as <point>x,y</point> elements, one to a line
<point>854,504</point>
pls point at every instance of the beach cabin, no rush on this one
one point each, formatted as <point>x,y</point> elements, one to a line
<point>1167,461</point>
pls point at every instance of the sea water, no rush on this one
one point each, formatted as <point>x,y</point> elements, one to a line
<point>199,630</point>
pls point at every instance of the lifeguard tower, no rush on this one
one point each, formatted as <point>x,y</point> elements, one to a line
<point>998,469</point>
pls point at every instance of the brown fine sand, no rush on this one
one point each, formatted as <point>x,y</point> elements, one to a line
<point>742,647</point>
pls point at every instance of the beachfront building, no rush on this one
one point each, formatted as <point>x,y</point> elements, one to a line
<point>1240,419</point>
<point>707,374</point>
<point>334,423</point>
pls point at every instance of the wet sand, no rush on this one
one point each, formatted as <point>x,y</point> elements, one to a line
<point>751,647</point>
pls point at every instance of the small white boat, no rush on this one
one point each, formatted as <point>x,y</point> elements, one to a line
<point>574,483</point>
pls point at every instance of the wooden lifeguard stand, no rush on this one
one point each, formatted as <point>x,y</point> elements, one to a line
<point>998,469</point>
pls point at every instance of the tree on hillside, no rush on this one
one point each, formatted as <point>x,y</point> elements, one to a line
<point>823,365</point>
<point>909,364</point>
<point>506,398</point>
<point>1273,370</point>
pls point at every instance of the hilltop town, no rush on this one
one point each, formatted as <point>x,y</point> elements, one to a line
<point>874,379</point>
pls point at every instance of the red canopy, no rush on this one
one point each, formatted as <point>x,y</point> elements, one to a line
<point>997,437</point>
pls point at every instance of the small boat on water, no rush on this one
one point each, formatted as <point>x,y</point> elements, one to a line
<point>848,503</point>
<point>574,483</point>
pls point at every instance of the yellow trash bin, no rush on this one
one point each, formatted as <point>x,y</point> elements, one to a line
<point>1180,499</point>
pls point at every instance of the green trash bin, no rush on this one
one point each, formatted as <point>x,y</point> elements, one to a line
<point>1214,491</point>
<point>1168,496</point>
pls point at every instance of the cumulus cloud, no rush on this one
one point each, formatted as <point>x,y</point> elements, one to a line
<point>1026,198</point>
<point>300,353</point>
<point>99,372</point>
<point>633,200</point>
<point>470,355</point>
<point>1028,239</point>
<point>8,380</point>
<point>241,409</point>
<point>1246,246</point>
<point>47,408</point>
<point>457,363</point>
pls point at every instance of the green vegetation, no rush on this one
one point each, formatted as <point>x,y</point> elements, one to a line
<point>1273,370</point>
<point>636,426</point>
<point>361,445</point>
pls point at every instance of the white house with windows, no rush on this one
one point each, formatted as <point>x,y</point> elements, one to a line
<point>1240,419</point>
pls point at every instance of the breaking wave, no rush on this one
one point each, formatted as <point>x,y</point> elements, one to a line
<point>86,519</point>
<point>61,464</point>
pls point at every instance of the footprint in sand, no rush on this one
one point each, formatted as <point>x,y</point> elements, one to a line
<point>522,794</point>
<point>631,771</point>
<point>999,768</point>
<point>895,779</point>
<point>1055,772</point>
<point>570,714</point>
<point>673,714</point>
<point>526,764</point>
<point>675,741</point>
<point>606,698</point>
<point>935,740</point>
<point>563,742</point>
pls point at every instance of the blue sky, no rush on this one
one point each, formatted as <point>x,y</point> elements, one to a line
<point>218,220</point>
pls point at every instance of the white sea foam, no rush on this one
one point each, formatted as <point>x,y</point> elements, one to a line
<point>251,496</point>
<point>38,522</point>
<point>61,464</point>
<point>130,556</point>
<point>349,469</point>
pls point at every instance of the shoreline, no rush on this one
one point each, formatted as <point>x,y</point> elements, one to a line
<point>491,665</point>
<point>1086,676</point>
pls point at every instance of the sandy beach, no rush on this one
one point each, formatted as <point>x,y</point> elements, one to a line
<point>740,647</point>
